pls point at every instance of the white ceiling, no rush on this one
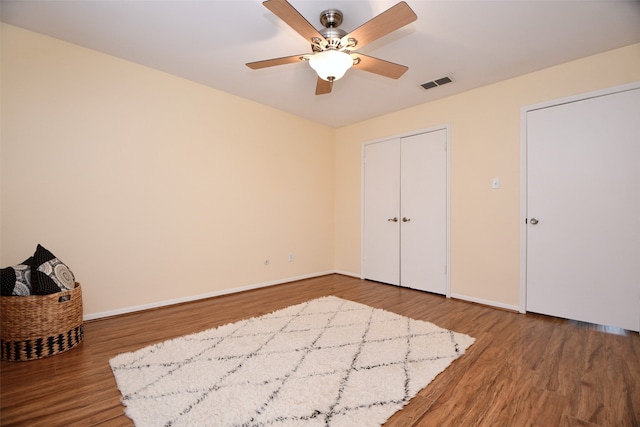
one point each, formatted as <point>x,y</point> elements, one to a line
<point>474,42</point>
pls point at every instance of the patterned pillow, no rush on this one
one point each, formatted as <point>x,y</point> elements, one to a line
<point>16,280</point>
<point>48,274</point>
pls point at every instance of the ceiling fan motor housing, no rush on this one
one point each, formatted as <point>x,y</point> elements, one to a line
<point>333,36</point>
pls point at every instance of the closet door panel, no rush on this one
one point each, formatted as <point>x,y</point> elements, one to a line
<point>381,224</point>
<point>423,236</point>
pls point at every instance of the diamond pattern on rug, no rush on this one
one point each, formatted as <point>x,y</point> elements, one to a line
<point>325,362</point>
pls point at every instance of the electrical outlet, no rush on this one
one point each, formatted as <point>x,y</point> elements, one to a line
<point>290,256</point>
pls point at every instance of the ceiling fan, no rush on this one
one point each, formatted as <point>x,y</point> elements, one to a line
<point>333,49</point>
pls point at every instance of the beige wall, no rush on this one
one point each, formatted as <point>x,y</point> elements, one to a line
<point>485,141</point>
<point>153,188</point>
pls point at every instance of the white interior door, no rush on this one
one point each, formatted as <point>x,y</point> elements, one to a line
<point>583,204</point>
<point>405,211</point>
<point>423,209</point>
<point>381,204</point>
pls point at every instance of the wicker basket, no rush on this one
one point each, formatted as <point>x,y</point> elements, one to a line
<point>38,326</point>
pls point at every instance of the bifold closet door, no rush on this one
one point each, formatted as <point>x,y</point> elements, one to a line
<point>405,211</point>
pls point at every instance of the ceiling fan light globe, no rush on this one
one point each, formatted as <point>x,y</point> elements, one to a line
<point>331,64</point>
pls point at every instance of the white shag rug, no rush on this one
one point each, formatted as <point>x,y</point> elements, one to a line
<point>325,362</point>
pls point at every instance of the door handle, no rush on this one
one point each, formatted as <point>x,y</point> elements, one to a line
<point>394,219</point>
<point>405,219</point>
<point>533,221</point>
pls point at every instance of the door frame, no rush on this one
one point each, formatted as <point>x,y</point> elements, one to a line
<point>524,170</point>
<point>447,130</point>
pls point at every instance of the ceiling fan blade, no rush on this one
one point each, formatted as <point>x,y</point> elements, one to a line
<point>388,21</point>
<point>283,10</point>
<point>379,66</point>
<point>275,61</point>
<point>323,86</point>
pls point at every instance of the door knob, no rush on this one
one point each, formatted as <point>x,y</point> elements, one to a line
<point>405,219</point>
<point>394,219</point>
<point>533,221</point>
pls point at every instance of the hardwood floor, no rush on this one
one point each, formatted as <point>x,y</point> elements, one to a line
<point>523,370</point>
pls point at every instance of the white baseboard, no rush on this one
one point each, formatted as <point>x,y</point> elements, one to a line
<point>133,309</point>
<point>486,302</point>
<point>348,273</point>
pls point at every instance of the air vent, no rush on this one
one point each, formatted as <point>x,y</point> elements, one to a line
<point>436,83</point>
